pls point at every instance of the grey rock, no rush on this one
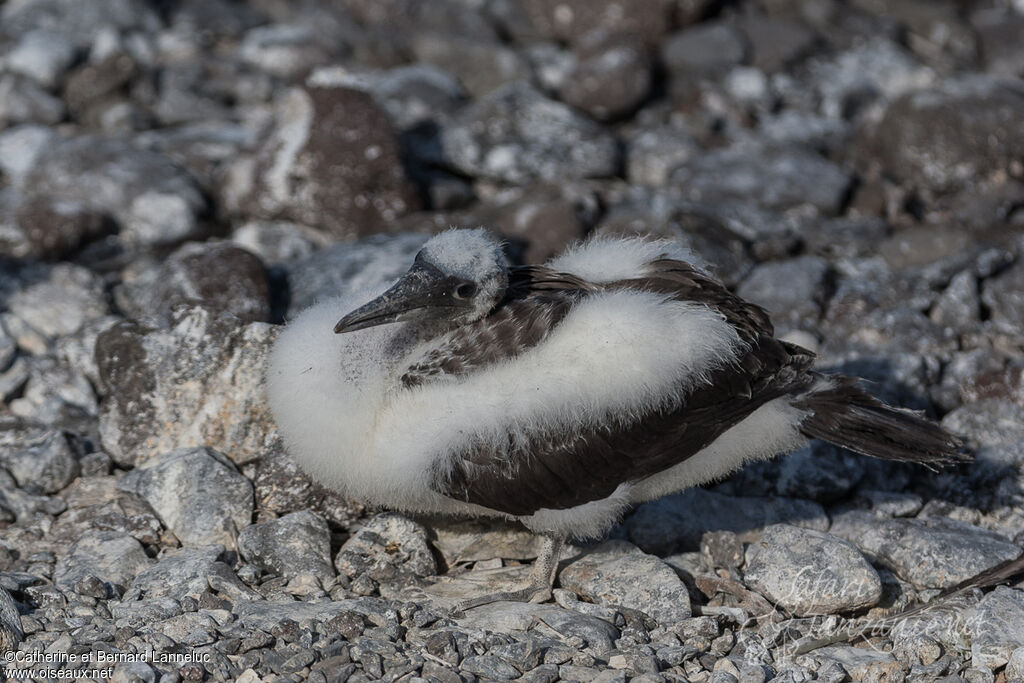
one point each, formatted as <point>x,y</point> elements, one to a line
<point>929,553</point>
<point>20,146</point>
<point>42,56</point>
<point>775,42</point>
<point>57,396</point>
<point>677,522</point>
<point>265,616</point>
<point>11,633</point>
<point>510,617</point>
<point>873,69</point>
<point>958,305</point>
<point>221,277</point>
<point>789,127</point>
<point>481,66</point>
<point>59,300</point>
<point>133,672</point>
<point>152,198</point>
<point>575,20</point>
<point>988,422</point>
<point>201,380</point>
<point>1015,665</point>
<point>189,572</point>
<point>331,161</point>
<point>791,291</point>
<point>77,23</point>
<point>610,78</point>
<point>652,154</point>
<point>489,667</point>
<point>283,50</point>
<point>109,556</point>
<point>997,629</point>
<point>45,460</point>
<point>461,541</point>
<point>1004,296</point>
<point>389,549</point>
<point>342,269</point>
<point>515,135</point>
<point>974,114</point>
<point>617,573</point>
<point>818,471</point>
<point>8,349</point>
<point>810,572</point>
<point>275,242</point>
<point>197,493</point>
<point>297,543</point>
<point>22,100</point>
<point>708,49</point>
<point>782,178</point>
<point>410,94</point>
<point>860,664</point>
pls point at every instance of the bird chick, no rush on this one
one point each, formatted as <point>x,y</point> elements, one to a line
<point>557,394</point>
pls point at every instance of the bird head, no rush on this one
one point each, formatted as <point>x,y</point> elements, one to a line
<point>457,277</point>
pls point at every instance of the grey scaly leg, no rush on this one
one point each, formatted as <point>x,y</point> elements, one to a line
<point>541,580</point>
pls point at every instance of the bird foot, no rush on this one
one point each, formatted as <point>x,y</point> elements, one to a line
<point>530,593</point>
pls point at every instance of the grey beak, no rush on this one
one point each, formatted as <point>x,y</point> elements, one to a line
<point>423,287</point>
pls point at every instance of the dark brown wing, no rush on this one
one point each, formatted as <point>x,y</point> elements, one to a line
<point>569,469</point>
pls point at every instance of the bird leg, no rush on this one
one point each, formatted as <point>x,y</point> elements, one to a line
<point>540,582</point>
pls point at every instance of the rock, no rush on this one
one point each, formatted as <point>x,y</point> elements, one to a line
<point>619,574</point>
<point>345,268</point>
<point>23,101</point>
<point>958,304</point>
<point>929,553</point>
<point>1015,665</point>
<point>20,146</point>
<point>820,472</point>
<point>489,667</point>
<point>480,65</point>
<point>275,242</point>
<point>515,135</point>
<point>508,617</point>
<point>77,23</point>
<point>781,179</point>
<point>610,78</point>
<point>11,633</point>
<point>265,616</point>
<point>331,161</point>
<point>703,51</point>
<point>411,94</point>
<point>197,493</point>
<point>152,198</point>
<point>975,116</point>
<point>997,628</point>
<point>283,50</point>
<point>574,20</point>
<point>652,154</point>
<point>544,220</point>
<point>43,460</point>
<point>792,291</point>
<point>42,56</point>
<point>220,276</point>
<point>810,572</point>
<point>989,422</point>
<point>677,522</point>
<point>1003,294</point>
<point>461,541</point>
<point>775,42</point>
<point>109,556</point>
<point>874,69</point>
<point>201,381</point>
<point>189,572</point>
<point>58,300</point>
<point>57,228</point>
<point>55,395</point>
<point>861,664</point>
<point>297,543</point>
<point>389,549</point>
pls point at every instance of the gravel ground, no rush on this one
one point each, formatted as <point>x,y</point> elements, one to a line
<point>179,177</point>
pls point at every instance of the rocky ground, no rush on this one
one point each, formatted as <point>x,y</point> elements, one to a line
<point>179,176</point>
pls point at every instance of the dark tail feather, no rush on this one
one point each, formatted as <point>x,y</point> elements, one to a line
<point>845,415</point>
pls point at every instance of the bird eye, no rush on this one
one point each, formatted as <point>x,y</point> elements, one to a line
<point>465,290</point>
